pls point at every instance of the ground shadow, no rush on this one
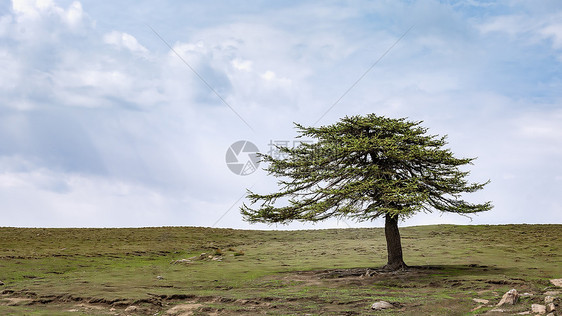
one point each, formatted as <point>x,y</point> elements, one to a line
<point>416,276</point>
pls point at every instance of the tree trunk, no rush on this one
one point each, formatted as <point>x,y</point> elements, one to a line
<point>393,244</point>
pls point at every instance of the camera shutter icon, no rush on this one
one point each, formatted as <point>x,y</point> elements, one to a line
<point>242,158</point>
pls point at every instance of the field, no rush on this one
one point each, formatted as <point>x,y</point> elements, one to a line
<point>205,271</point>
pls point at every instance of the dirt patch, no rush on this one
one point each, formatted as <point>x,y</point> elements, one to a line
<point>85,307</point>
<point>15,301</point>
<point>356,276</point>
<point>183,309</point>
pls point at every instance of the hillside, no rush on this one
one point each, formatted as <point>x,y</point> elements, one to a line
<point>205,271</point>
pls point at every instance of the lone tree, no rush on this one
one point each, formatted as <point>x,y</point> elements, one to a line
<point>363,168</point>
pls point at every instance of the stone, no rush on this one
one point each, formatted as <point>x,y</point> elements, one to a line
<point>538,309</point>
<point>380,305</point>
<point>556,282</point>
<point>481,301</point>
<point>550,314</point>
<point>160,277</point>
<point>16,301</point>
<point>527,295</point>
<point>550,307</point>
<point>183,309</point>
<point>131,308</point>
<point>477,308</point>
<point>552,293</point>
<point>1,283</point>
<point>496,310</point>
<point>510,297</point>
<point>548,299</point>
<point>524,313</point>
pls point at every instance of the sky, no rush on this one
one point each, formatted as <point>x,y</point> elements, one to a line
<point>121,113</point>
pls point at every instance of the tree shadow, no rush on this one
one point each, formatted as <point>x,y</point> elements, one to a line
<point>426,273</point>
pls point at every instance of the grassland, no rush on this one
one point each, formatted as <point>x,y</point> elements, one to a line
<point>161,271</point>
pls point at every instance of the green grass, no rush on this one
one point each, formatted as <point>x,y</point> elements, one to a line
<point>91,271</point>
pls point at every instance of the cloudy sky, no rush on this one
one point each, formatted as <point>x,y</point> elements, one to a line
<point>104,124</point>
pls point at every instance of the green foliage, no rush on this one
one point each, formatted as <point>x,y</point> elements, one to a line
<point>362,168</point>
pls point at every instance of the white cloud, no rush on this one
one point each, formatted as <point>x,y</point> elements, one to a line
<point>268,75</point>
<point>271,77</point>
<point>553,31</point>
<point>547,130</point>
<point>91,87</point>
<point>32,13</point>
<point>33,8</point>
<point>11,73</point>
<point>244,65</point>
<point>63,200</point>
<point>527,28</point>
<point>5,25</point>
<point>124,40</point>
<point>74,15</point>
<point>510,24</point>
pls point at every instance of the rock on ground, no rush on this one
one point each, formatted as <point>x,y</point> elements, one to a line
<point>381,305</point>
<point>496,310</point>
<point>481,301</point>
<point>510,297</point>
<point>556,282</point>
<point>538,309</point>
<point>183,309</point>
<point>550,307</point>
<point>477,308</point>
<point>131,308</point>
<point>16,301</point>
